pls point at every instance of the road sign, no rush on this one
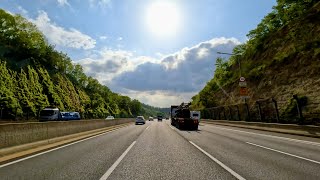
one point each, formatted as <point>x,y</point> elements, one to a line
<point>243,84</point>
<point>243,91</point>
<point>242,79</point>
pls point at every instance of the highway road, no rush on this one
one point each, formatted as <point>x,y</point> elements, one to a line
<point>157,150</point>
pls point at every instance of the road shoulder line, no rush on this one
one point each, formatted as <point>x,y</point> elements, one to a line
<point>272,136</point>
<point>219,162</point>
<point>296,156</point>
<point>269,129</point>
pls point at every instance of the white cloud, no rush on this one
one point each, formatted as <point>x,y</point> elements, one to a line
<point>60,36</point>
<point>22,11</point>
<point>171,80</point>
<point>63,2</point>
<point>103,37</point>
<point>100,3</point>
<point>119,38</point>
<point>106,64</point>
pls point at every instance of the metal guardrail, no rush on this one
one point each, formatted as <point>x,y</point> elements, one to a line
<point>294,111</point>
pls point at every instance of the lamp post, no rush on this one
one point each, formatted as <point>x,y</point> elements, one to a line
<point>242,83</point>
<point>237,59</point>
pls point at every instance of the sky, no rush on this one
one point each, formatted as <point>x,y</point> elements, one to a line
<point>161,52</point>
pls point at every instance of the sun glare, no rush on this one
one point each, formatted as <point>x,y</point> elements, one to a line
<point>163,18</point>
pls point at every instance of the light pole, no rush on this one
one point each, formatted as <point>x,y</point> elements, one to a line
<point>242,83</point>
<point>237,59</point>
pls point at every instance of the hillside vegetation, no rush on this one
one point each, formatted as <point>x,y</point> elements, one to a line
<point>34,75</point>
<point>280,59</point>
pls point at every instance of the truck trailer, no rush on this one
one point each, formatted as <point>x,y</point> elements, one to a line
<point>181,117</point>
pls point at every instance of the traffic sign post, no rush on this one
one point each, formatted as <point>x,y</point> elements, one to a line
<point>243,91</point>
<point>243,88</point>
<point>243,84</point>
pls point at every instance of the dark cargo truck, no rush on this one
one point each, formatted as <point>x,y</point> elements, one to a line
<point>181,117</point>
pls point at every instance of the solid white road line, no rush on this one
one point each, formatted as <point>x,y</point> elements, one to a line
<point>219,162</point>
<point>60,147</point>
<point>271,136</point>
<point>115,164</point>
<point>317,162</point>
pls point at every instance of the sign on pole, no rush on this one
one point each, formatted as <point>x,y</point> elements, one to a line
<point>244,92</point>
<point>242,82</point>
<point>243,88</point>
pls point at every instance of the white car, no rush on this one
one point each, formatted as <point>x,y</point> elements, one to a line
<point>150,118</point>
<point>140,120</point>
<point>109,118</point>
<point>195,115</point>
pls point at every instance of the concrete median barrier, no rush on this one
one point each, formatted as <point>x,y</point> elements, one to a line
<point>13,134</point>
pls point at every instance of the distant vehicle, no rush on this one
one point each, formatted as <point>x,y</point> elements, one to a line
<point>109,118</point>
<point>150,118</point>
<point>75,116</point>
<point>195,115</point>
<point>160,118</point>
<point>181,117</point>
<point>65,116</point>
<point>167,118</point>
<point>50,114</point>
<point>140,120</point>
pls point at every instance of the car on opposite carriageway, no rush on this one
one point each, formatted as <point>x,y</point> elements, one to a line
<point>140,120</point>
<point>109,118</point>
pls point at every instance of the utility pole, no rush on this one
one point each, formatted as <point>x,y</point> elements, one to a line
<point>242,81</point>
<point>238,60</point>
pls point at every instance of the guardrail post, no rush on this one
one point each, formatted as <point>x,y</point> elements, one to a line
<point>248,111</point>
<point>216,116</point>
<point>295,97</point>
<point>259,111</point>
<point>275,104</point>
<point>212,112</point>
<point>230,112</point>
<point>238,111</point>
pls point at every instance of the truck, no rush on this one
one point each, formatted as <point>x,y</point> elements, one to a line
<point>50,114</point>
<point>181,117</point>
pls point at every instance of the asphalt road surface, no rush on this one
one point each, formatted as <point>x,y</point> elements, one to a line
<point>157,150</point>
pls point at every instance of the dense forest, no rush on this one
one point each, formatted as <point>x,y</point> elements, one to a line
<point>279,60</point>
<point>154,111</point>
<point>34,75</point>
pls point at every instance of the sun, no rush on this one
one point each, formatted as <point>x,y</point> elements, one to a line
<point>163,18</point>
